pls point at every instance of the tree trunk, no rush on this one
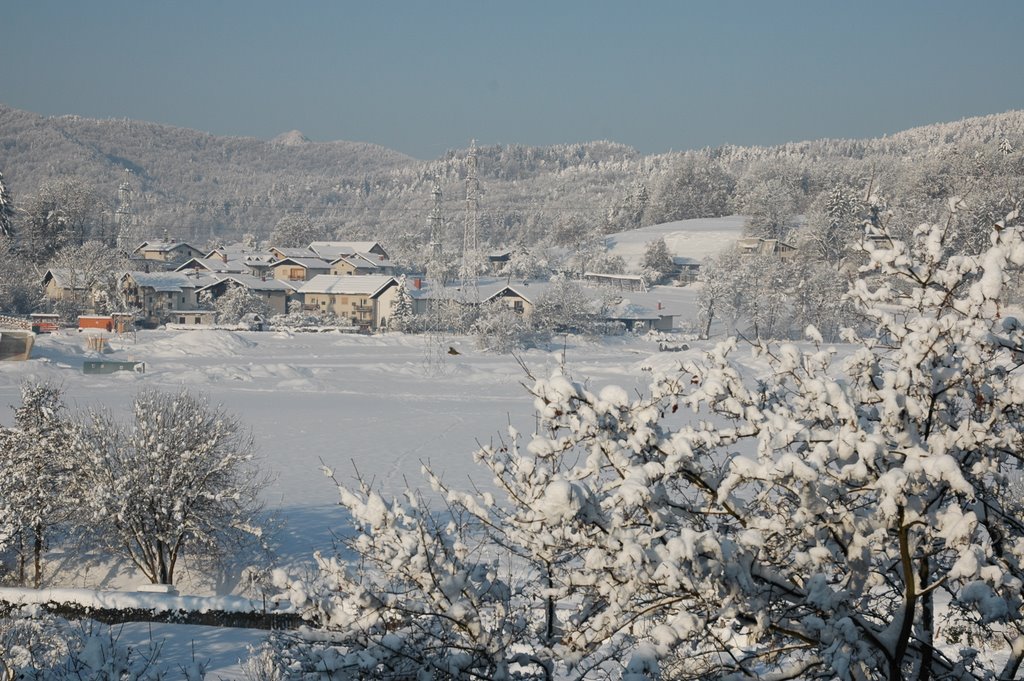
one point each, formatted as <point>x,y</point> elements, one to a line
<point>707,327</point>
<point>37,555</point>
<point>549,628</point>
<point>927,622</point>
<point>162,573</point>
<point>21,558</point>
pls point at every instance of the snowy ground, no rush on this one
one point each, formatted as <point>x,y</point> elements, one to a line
<point>379,404</point>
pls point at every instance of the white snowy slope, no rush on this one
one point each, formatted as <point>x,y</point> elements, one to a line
<point>697,239</point>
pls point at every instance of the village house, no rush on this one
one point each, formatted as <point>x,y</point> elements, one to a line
<point>760,246</point>
<point>300,269</point>
<point>61,284</point>
<point>282,253</point>
<point>520,297</point>
<point>159,294</point>
<point>365,301</point>
<point>360,264</point>
<point>212,265</point>
<point>329,250</point>
<point>164,250</point>
<point>685,270</point>
<point>641,312</point>
<point>274,293</point>
<point>237,258</point>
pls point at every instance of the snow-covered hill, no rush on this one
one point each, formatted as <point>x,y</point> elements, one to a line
<point>697,239</point>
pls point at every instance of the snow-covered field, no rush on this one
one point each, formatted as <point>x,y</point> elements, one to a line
<point>377,404</point>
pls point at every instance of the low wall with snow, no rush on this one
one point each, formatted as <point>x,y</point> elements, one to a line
<point>116,607</point>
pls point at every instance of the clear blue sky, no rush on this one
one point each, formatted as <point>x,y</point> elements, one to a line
<point>422,77</point>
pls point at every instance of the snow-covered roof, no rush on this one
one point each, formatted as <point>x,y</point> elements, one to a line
<point>170,281</point>
<point>486,289</point>
<point>63,277</point>
<point>368,284</point>
<point>253,283</point>
<point>212,265</point>
<point>161,245</point>
<point>293,252</point>
<point>362,260</point>
<point>527,290</point>
<point>308,263</point>
<point>258,258</point>
<point>333,249</point>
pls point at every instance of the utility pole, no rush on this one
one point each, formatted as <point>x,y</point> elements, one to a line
<point>470,244</point>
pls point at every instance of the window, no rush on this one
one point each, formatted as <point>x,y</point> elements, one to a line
<point>199,320</point>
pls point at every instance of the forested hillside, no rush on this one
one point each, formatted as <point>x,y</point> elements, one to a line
<point>194,185</point>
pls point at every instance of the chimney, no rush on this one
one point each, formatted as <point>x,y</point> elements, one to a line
<point>659,304</point>
<point>417,283</point>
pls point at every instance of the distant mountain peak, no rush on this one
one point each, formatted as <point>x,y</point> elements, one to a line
<point>291,138</point>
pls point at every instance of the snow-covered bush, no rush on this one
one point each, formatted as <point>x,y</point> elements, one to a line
<point>47,648</point>
<point>501,329</point>
<point>177,480</point>
<point>815,517</point>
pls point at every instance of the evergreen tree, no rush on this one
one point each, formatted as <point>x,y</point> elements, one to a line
<point>401,307</point>
<point>38,472</point>
<point>657,261</point>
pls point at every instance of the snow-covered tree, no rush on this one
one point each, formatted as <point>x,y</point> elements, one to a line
<point>607,263</point>
<point>62,212</point>
<point>20,290</point>
<point>657,261</point>
<point>499,328</point>
<point>6,210</point>
<point>401,307</point>
<point>237,302</point>
<point>768,195</point>
<point>526,263</point>
<point>38,470</point>
<point>91,270</point>
<point>807,512</point>
<point>694,187</point>
<point>296,230</point>
<point>747,293</point>
<point>834,226</point>
<point>177,480</point>
<point>566,307</point>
